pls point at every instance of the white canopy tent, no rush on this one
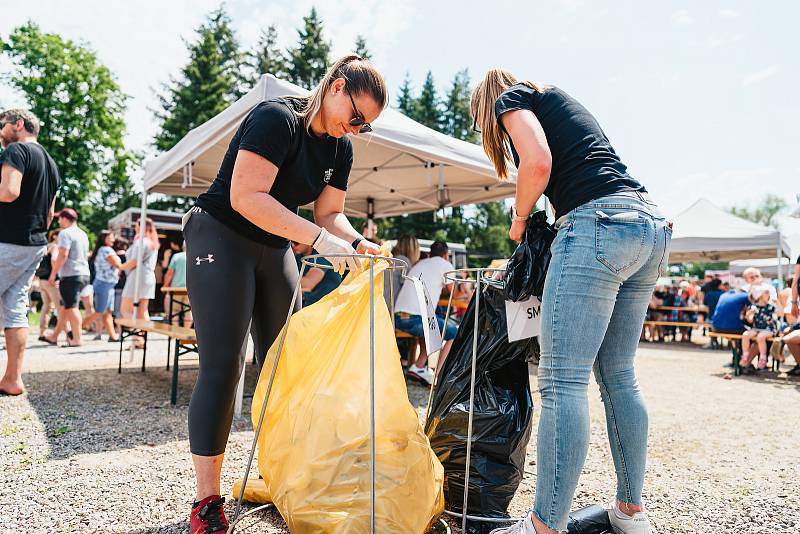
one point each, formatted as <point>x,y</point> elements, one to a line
<point>402,167</point>
<point>705,232</point>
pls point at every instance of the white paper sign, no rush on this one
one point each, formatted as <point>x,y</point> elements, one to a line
<point>524,318</point>
<point>427,312</point>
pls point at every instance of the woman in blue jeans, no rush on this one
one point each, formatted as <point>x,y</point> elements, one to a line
<point>609,250</point>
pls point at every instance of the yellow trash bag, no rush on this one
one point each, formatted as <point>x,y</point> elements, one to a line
<point>255,491</point>
<point>314,446</point>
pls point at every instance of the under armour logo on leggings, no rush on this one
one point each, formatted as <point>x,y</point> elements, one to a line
<point>209,259</point>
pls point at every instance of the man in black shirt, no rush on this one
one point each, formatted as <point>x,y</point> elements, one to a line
<point>28,183</point>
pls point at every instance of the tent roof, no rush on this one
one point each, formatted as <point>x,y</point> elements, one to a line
<point>705,232</point>
<point>401,166</point>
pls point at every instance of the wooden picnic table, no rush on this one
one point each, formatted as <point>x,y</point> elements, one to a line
<point>687,309</point>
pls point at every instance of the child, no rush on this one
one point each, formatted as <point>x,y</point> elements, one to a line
<point>765,324</point>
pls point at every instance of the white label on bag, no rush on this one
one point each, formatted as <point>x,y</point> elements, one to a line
<point>524,318</point>
<point>427,312</point>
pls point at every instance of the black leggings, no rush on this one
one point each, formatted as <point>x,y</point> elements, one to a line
<point>231,281</point>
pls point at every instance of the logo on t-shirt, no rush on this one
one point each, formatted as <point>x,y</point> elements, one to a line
<point>327,177</point>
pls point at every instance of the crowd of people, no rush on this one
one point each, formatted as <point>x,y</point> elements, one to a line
<point>755,308</point>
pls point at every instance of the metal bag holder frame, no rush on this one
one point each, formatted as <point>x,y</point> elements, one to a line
<point>313,261</point>
<point>451,276</point>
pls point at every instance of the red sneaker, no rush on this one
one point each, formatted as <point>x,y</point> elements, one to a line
<point>208,516</point>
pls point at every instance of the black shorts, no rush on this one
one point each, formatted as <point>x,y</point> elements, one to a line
<point>70,288</point>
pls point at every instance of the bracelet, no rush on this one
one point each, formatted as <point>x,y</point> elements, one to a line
<point>356,242</point>
<point>517,217</point>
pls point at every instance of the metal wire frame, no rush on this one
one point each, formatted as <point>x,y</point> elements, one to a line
<point>313,261</point>
<point>452,276</point>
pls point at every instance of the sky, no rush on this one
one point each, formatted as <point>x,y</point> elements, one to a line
<point>698,98</point>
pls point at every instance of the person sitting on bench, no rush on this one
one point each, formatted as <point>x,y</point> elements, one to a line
<point>765,324</point>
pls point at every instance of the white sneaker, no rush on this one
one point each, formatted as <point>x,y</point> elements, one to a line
<point>638,523</point>
<point>423,374</point>
<point>524,526</point>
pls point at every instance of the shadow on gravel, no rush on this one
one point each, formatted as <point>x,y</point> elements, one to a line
<point>777,380</point>
<point>253,523</point>
<point>99,410</point>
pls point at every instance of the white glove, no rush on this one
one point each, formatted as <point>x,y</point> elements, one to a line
<point>327,243</point>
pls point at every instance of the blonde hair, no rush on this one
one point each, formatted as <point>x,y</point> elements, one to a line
<point>495,140</point>
<point>362,78</point>
<point>408,246</point>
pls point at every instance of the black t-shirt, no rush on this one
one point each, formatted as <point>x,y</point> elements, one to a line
<point>306,164</point>
<point>585,166</point>
<point>24,221</point>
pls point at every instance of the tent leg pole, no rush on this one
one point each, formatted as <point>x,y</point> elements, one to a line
<point>139,256</point>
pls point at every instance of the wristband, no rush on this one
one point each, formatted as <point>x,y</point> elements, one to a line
<point>356,241</point>
<point>517,217</point>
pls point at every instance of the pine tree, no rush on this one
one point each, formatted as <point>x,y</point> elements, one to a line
<point>427,108</point>
<point>361,47</point>
<point>309,60</point>
<point>405,98</point>
<point>267,58</point>
<point>456,116</point>
<point>208,83</point>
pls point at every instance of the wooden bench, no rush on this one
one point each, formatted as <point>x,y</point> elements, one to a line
<point>185,342</point>
<point>676,323</point>
<point>735,342</point>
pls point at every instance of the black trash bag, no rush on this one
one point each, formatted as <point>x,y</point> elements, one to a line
<point>527,268</point>
<point>590,520</point>
<point>502,413</point>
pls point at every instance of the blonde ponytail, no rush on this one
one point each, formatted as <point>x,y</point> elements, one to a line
<point>494,138</point>
<point>362,78</point>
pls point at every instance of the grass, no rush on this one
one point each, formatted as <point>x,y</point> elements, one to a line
<point>8,430</point>
<point>59,431</point>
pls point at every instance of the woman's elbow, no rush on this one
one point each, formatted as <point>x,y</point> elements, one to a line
<point>236,200</point>
<point>539,167</point>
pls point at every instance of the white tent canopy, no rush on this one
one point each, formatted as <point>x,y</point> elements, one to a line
<point>402,167</point>
<point>705,232</point>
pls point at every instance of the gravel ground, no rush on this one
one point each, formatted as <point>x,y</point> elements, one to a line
<point>89,450</point>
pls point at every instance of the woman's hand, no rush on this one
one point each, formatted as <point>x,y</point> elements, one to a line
<point>368,247</point>
<point>517,231</point>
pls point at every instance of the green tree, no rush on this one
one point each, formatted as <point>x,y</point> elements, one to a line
<point>456,116</point>
<point>209,82</point>
<point>361,47</point>
<point>267,57</point>
<point>764,213</point>
<point>81,109</point>
<point>405,98</point>
<point>309,60</point>
<point>489,230</point>
<point>427,107</point>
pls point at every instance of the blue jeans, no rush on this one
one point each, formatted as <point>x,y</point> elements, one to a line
<point>606,258</point>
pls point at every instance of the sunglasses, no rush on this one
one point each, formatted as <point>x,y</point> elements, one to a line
<point>475,125</point>
<point>358,120</point>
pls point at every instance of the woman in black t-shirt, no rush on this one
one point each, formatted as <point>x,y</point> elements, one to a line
<point>287,152</point>
<point>606,257</point>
